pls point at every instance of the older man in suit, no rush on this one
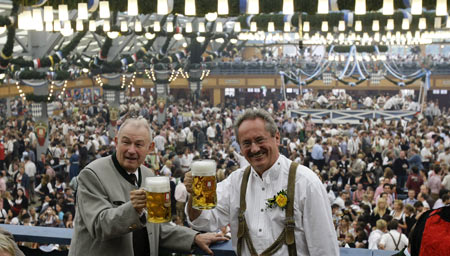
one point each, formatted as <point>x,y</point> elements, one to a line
<point>111,217</point>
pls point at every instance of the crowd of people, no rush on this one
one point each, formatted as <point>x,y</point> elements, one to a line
<point>344,101</point>
<point>380,175</point>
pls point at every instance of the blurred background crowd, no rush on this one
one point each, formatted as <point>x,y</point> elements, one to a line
<point>380,175</point>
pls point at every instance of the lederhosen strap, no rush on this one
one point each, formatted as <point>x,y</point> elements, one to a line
<point>287,235</point>
<point>396,243</point>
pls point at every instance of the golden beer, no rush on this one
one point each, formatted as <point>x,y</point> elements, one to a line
<point>204,184</point>
<point>158,199</point>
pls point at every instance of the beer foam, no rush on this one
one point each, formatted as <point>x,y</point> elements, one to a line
<point>160,184</point>
<point>203,168</point>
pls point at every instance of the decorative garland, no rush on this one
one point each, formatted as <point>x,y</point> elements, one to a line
<point>113,87</point>
<point>403,83</point>
<point>53,59</point>
<point>6,21</point>
<point>352,84</point>
<point>40,98</point>
<point>359,48</point>
<point>6,53</point>
<point>288,79</point>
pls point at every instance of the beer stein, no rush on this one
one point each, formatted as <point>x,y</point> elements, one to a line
<point>204,184</point>
<point>158,199</point>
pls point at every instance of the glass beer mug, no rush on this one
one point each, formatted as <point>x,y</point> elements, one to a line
<point>204,184</point>
<point>158,199</point>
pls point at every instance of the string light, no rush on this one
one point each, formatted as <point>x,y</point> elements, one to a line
<point>51,91</point>
<point>99,81</point>
<point>63,91</point>
<point>132,80</point>
<point>123,82</point>
<point>21,93</point>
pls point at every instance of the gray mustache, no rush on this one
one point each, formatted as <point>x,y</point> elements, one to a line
<point>259,153</point>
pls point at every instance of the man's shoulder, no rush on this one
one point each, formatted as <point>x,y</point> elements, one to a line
<point>100,162</point>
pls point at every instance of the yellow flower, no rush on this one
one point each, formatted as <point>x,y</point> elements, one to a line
<point>281,200</point>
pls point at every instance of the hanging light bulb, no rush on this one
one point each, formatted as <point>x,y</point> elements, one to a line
<point>376,25</point>
<point>138,26</point>
<point>390,24</point>
<point>37,19</point>
<point>416,7</point>
<point>188,27</point>
<point>123,26</point>
<point>149,35</point>
<point>113,34</point>
<point>132,8</point>
<point>288,7</point>
<point>162,7</point>
<point>48,13</point>
<point>253,7</point>
<point>82,11</point>
<point>67,25</point>
<point>92,25</point>
<point>270,26</point>
<point>79,25</point>
<point>169,27</point>
<point>104,9</point>
<point>211,16</point>
<point>237,26</point>
<point>322,7</point>
<point>441,8</point>
<point>219,27</point>
<point>358,25</point>
<point>29,24</point>
<point>222,7</point>
<point>306,27</point>
<point>49,26</point>
<point>376,37</point>
<point>405,24</point>
<point>253,26</point>
<point>156,26</point>
<point>189,8</point>
<point>422,23</point>
<point>106,26</point>
<point>21,21</point>
<point>67,30</point>
<point>388,7</point>
<point>437,22</point>
<point>178,36</point>
<point>63,12</point>
<point>200,39</point>
<point>447,24</point>
<point>287,26</point>
<point>56,25</point>
<point>341,25</point>
<point>201,27</point>
<point>324,26</point>
<point>360,7</point>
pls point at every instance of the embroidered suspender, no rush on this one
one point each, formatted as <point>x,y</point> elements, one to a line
<point>287,235</point>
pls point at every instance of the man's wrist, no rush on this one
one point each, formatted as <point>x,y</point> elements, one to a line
<point>194,244</point>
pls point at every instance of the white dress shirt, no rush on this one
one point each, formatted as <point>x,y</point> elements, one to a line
<point>389,243</point>
<point>314,230</point>
<point>181,192</point>
<point>30,169</point>
<point>374,239</point>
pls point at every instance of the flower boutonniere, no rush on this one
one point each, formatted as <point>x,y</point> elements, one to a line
<point>280,200</point>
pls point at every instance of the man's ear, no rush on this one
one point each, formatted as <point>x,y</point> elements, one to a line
<point>116,140</point>
<point>277,137</point>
